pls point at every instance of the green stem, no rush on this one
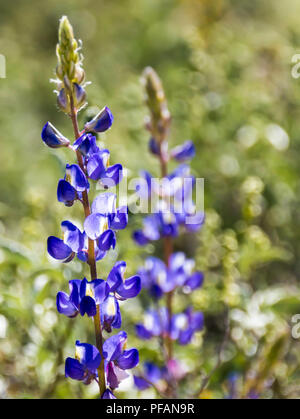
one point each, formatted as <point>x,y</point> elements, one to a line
<point>91,256</point>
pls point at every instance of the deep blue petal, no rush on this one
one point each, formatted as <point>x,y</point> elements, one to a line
<point>76,177</point>
<point>154,146</point>
<point>140,238</point>
<point>101,290</point>
<point>197,321</point>
<point>86,144</point>
<point>72,236</point>
<point>66,193</point>
<point>113,176</point>
<point>141,383</point>
<point>185,336</point>
<point>183,152</point>
<point>108,395</point>
<point>74,369</point>
<point>52,137</point>
<point>194,281</point>
<point>88,306</point>
<point>155,291</point>
<point>99,254</point>
<point>130,288</point>
<point>88,355</point>
<point>142,332</point>
<point>96,166</point>
<point>65,306</point>
<point>119,220</point>
<point>152,372</point>
<point>114,345</point>
<point>128,359</point>
<point>101,122</point>
<point>74,286</point>
<point>115,277</point>
<point>107,240</point>
<point>83,256</point>
<point>59,250</point>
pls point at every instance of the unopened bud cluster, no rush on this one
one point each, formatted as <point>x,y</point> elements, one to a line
<point>159,121</point>
<point>69,69</point>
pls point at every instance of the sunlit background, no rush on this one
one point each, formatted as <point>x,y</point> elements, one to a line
<point>226,68</point>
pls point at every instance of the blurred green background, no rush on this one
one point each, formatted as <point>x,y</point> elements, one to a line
<point>226,68</point>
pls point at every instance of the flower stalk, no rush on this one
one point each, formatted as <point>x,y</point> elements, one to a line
<point>163,278</point>
<point>107,362</point>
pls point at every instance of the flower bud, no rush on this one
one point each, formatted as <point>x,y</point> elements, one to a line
<point>183,152</point>
<point>79,74</point>
<point>69,62</point>
<point>79,96</point>
<point>156,102</point>
<point>154,146</point>
<point>101,122</point>
<point>52,137</point>
<point>63,101</point>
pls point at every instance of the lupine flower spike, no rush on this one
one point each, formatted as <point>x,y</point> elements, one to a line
<point>176,273</point>
<point>97,298</point>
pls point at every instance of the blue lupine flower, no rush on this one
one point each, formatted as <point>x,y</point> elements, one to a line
<point>98,168</point>
<point>150,231</point>
<point>72,243</point>
<point>174,206</point>
<point>179,184</point>
<point>69,304</point>
<point>91,294</point>
<point>121,287</point>
<point>181,272</point>
<point>101,122</point>
<point>66,193</point>
<point>152,373</point>
<point>110,314</point>
<point>76,177</point>
<point>167,223</point>
<point>184,325</point>
<point>52,137</point>
<point>117,359</point>
<point>105,218</point>
<point>145,184</point>
<point>97,163</point>
<point>183,152</point>
<point>152,274</point>
<point>159,279</point>
<point>84,366</point>
<point>84,297</point>
<point>155,324</point>
<point>108,394</point>
<point>86,144</point>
